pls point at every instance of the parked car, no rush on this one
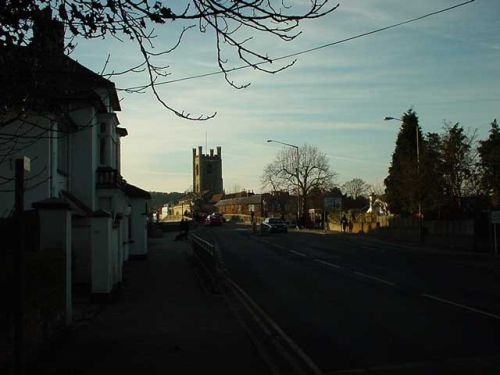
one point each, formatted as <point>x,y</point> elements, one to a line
<point>274,225</point>
<point>214,219</point>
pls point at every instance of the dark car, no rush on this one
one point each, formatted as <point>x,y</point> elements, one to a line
<point>274,225</point>
<point>214,220</point>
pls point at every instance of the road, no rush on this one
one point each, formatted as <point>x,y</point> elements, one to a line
<point>359,305</point>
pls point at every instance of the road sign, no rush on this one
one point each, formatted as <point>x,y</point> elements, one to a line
<point>495,217</point>
<point>331,203</point>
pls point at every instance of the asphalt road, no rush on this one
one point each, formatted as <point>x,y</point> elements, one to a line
<point>359,305</point>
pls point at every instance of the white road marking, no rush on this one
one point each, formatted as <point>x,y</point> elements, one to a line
<point>327,263</point>
<point>298,253</point>
<point>491,315</point>
<point>374,278</point>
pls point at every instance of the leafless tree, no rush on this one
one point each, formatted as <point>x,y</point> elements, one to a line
<point>356,188</point>
<point>310,172</point>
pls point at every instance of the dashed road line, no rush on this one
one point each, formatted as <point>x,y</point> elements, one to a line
<point>327,263</point>
<point>298,253</point>
<point>374,278</point>
<point>425,295</point>
<point>465,307</point>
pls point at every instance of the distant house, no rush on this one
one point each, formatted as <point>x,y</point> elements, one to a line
<point>68,127</point>
<point>275,204</point>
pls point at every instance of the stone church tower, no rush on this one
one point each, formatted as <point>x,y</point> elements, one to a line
<point>207,171</point>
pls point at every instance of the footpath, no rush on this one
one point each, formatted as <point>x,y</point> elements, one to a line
<point>160,322</point>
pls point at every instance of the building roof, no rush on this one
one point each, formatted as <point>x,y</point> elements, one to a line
<point>251,199</point>
<point>216,198</point>
<point>44,80</point>
<point>135,192</point>
<point>41,77</point>
<point>80,208</point>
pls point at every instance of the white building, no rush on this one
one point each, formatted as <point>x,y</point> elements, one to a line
<point>67,126</point>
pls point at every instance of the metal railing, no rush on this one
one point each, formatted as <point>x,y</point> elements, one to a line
<point>207,257</point>
<point>108,178</point>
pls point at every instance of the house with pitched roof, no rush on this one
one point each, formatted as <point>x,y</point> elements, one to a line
<point>62,116</point>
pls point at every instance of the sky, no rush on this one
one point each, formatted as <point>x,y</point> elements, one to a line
<point>446,67</point>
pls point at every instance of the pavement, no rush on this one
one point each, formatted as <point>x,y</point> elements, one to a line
<point>160,321</point>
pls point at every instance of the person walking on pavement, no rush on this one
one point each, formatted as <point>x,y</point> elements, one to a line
<point>343,222</point>
<point>183,230</point>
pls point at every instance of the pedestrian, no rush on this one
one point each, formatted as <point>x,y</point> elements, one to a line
<point>183,230</point>
<point>351,225</point>
<point>343,223</point>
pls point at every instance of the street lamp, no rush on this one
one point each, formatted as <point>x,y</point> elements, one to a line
<point>298,179</point>
<point>388,118</point>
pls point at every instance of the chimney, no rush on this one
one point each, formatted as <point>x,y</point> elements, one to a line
<point>200,148</point>
<point>48,34</point>
<point>212,152</point>
<point>219,151</point>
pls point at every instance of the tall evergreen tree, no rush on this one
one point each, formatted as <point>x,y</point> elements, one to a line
<point>404,182</point>
<point>489,153</point>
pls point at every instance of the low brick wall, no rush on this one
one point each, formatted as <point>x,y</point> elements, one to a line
<point>448,233</point>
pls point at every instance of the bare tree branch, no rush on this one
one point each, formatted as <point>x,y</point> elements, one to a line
<point>313,172</point>
<point>231,22</point>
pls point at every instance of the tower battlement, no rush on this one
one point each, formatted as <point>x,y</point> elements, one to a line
<point>207,171</point>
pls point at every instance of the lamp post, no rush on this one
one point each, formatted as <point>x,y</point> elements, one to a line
<point>388,118</point>
<point>298,179</point>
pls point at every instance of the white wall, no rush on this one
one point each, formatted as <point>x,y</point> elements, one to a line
<point>139,227</point>
<point>82,247</point>
<point>101,259</point>
<point>37,181</point>
<point>84,158</point>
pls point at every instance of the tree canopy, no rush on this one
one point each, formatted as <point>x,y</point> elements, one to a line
<point>356,188</point>
<point>449,173</point>
<point>403,184</point>
<point>310,172</point>
<point>489,153</point>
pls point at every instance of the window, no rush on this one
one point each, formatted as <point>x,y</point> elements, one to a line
<point>209,168</point>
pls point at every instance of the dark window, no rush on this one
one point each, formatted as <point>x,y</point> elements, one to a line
<point>209,168</point>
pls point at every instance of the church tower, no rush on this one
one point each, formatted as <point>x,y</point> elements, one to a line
<point>207,171</point>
